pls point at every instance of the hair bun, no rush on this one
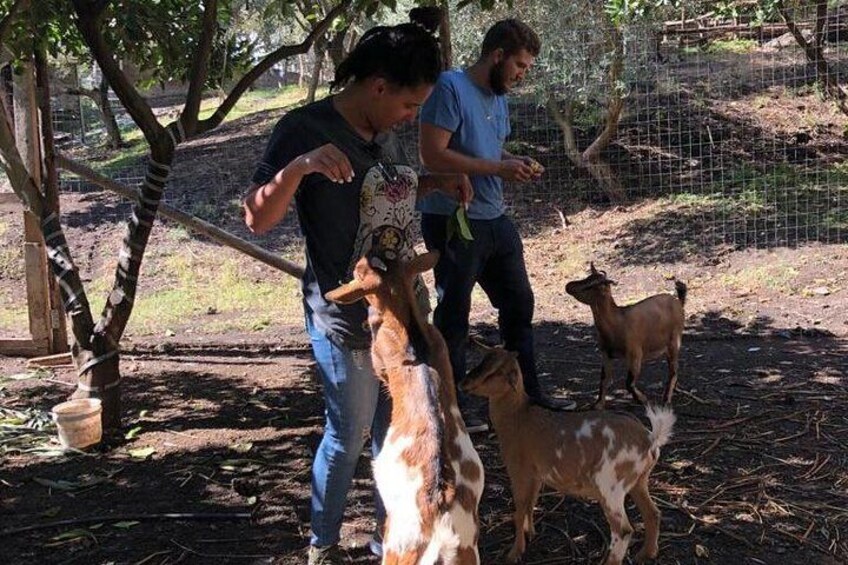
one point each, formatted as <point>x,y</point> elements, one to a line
<point>428,17</point>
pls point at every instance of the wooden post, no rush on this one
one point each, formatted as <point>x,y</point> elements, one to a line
<point>29,146</point>
<point>58,322</point>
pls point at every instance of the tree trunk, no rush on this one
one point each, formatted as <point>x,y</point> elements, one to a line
<point>115,141</point>
<point>336,47</point>
<point>590,160</point>
<point>315,79</point>
<point>445,35</point>
<point>815,54</point>
<point>96,348</point>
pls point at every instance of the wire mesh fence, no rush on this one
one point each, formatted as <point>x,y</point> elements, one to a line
<point>738,130</point>
<point>733,134</point>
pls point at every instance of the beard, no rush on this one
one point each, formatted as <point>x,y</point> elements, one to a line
<point>497,78</point>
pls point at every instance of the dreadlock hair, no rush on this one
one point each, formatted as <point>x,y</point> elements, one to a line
<point>512,36</point>
<point>406,55</point>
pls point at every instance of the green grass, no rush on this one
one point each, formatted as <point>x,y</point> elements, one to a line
<point>14,320</point>
<point>179,290</point>
<point>785,191</point>
<point>778,276</point>
<point>732,46</point>
<point>192,283</point>
<point>260,100</point>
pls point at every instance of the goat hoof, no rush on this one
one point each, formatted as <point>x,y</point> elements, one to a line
<point>644,555</point>
<point>514,556</point>
<point>599,405</point>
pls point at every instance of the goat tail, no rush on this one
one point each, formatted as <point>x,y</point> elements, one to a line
<point>682,290</point>
<point>662,421</point>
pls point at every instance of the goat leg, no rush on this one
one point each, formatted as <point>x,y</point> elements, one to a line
<point>606,377</point>
<point>672,373</point>
<point>525,490</point>
<point>651,515</point>
<point>633,370</point>
<point>620,528</point>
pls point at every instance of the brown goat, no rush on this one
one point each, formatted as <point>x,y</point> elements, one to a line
<point>601,456</point>
<point>640,332</point>
<point>428,473</point>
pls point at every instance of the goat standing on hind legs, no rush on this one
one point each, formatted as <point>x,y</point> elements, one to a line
<point>640,332</point>
<point>428,473</point>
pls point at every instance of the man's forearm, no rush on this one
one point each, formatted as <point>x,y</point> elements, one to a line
<point>506,155</point>
<point>450,161</point>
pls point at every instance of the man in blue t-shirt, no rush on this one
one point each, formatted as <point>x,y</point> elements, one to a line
<point>464,124</point>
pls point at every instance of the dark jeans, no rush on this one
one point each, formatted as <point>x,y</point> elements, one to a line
<point>495,260</point>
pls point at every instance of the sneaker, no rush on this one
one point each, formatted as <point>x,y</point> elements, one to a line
<point>328,555</point>
<point>560,404</point>
<point>376,544</point>
<point>473,410</point>
<point>475,424</point>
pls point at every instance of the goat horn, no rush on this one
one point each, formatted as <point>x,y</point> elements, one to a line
<point>481,344</point>
<point>592,267</point>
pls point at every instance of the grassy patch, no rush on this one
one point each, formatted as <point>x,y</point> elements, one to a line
<point>11,262</point>
<point>260,100</point>
<point>572,264</point>
<point>208,291</point>
<point>779,277</point>
<point>785,192</point>
<point>14,320</point>
<point>732,46</point>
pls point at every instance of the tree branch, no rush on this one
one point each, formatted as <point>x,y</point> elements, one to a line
<point>6,22</point>
<point>269,61</point>
<point>200,67</point>
<point>91,93</point>
<point>89,23</point>
<point>563,119</point>
<point>815,55</point>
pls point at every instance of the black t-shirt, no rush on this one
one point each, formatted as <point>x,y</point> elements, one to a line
<point>341,222</point>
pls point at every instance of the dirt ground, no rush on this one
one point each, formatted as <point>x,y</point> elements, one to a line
<point>757,471</point>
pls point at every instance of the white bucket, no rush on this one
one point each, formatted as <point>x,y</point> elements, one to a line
<point>79,422</point>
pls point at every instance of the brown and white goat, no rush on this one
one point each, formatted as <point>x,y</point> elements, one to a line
<point>598,455</point>
<point>640,332</point>
<point>428,473</point>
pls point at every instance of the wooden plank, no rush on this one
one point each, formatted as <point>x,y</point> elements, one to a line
<point>40,326</point>
<point>10,199</point>
<point>55,360</point>
<point>22,347</point>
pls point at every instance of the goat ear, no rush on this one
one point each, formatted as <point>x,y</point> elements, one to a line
<point>481,344</point>
<point>347,293</point>
<point>423,263</point>
<point>592,268</point>
<point>512,378</point>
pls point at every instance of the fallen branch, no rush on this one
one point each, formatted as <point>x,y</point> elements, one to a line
<point>203,516</point>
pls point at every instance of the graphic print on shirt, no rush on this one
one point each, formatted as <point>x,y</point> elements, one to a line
<point>388,222</point>
<point>387,218</point>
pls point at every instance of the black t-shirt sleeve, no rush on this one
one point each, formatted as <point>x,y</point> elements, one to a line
<point>288,141</point>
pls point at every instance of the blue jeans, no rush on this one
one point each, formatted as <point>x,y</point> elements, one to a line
<point>356,404</point>
<point>495,260</point>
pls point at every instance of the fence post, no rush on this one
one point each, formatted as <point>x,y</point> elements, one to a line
<point>58,321</point>
<point>27,135</point>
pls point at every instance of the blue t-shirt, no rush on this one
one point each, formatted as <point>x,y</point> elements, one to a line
<point>479,120</point>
